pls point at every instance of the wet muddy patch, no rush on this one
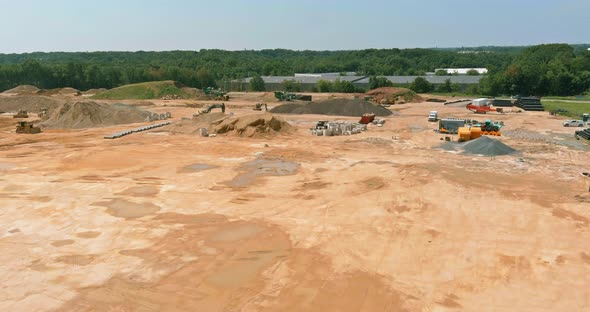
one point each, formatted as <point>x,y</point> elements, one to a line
<point>79,260</point>
<point>63,242</point>
<point>141,191</point>
<point>129,210</point>
<point>196,168</point>
<point>88,234</point>
<point>262,167</point>
<point>213,264</point>
<point>7,166</point>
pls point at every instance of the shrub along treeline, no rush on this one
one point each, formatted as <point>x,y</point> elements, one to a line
<point>556,69</point>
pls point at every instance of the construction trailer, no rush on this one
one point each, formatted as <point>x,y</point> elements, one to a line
<point>450,125</point>
<point>25,127</point>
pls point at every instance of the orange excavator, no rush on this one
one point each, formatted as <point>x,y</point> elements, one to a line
<point>483,109</point>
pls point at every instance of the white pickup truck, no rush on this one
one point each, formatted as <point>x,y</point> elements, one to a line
<point>574,123</point>
<point>433,116</point>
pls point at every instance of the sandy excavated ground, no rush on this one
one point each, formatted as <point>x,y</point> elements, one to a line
<point>380,221</point>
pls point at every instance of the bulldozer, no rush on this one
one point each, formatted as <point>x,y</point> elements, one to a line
<point>208,109</point>
<point>25,127</point>
<point>259,107</point>
<point>285,96</point>
<point>21,114</point>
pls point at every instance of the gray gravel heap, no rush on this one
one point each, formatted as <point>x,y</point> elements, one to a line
<point>487,147</point>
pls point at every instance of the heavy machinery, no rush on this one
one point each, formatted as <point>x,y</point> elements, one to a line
<point>483,109</point>
<point>217,93</point>
<point>285,96</point>
<point>25,127</point>
<point>21,114</point>
<point>259,107</point>
<point>208,109</point>
<point>489,127</point>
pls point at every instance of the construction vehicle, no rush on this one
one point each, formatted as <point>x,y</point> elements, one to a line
<point>433,116</point>
<point>25,127</point>
<point>217,93</point>
<point>259,107</point>
<point>489,127</point>
<point>483,109</point>
<point>211,107</point>
<point>21,114</point>
<point>284,96</point>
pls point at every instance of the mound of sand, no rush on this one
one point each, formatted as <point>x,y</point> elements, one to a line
<point>94,91</point>
<point>487,147</point>
<point>30,103</point>
<point>192,126</point>
<point>255,125</point>
<point>61,91</point>
<point>22,90</point>
<point>334,107</point>
<point>78,115</point>
<point>395,95</point>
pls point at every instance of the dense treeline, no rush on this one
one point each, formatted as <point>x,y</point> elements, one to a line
<point>547,69</point>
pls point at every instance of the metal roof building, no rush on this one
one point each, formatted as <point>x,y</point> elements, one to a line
<point>309,81</point>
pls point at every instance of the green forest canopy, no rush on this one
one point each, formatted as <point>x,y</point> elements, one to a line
<point>556,69</point>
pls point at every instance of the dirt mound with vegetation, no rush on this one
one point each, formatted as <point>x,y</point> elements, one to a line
<point>255,125</point>
<point>29,103</point>
<point>22,90</point>
<point>391,95</point>
<point>88,114</point>
<point>94,91</point>
<point>333,107</point>
<point>147,91</point>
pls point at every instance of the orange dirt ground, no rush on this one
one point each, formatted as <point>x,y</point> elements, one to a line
<point>380,221</point>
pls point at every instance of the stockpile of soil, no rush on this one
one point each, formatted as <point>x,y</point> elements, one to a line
<point>22,90</point>
<point>61,91</point>
<point>192,126</point>
<point>391,95</point>
<point>487,147</point>
<point>334,107</point>
<point>78,115</point>
<point>29,103</point>
<point>94,91</point>
<point>255,125</point>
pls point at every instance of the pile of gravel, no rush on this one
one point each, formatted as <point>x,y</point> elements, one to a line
<point>487,147</point>
<point>333,107</point>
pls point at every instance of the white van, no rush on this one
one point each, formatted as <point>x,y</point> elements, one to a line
<point>433,116</point>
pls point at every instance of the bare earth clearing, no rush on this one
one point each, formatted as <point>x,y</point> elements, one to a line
<point>380,221</point>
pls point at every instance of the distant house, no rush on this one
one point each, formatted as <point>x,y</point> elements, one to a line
<point>308,81</point>
<point>463,71</point>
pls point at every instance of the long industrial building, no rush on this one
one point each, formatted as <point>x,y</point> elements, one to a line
<point>308,81</point>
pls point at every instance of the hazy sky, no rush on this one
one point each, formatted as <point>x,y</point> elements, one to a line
<point>130,25</point>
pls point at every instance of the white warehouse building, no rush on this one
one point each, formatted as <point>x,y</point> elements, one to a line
<point>463,71</point>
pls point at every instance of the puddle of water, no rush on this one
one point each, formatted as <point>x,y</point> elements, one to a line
<point>262,167</point>
<point>196,168</point>
<point>128,210</point>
